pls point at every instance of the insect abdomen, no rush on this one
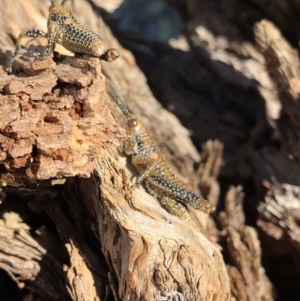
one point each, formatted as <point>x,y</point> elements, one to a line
<point>78,39</point>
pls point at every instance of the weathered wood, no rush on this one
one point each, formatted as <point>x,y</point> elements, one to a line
<point>283,65</point>
<point>118,241</point>
<point>151,255</point>
<point>248,281</point>
<point>175,260</point>
<point>35,262</point>
<point>53,123</point>
<point>279,213</point>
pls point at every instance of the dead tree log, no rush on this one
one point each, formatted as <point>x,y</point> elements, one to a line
<point>117,243</point>
<point>279,214</point>
<point>173,261</point>
<point>99,237</point>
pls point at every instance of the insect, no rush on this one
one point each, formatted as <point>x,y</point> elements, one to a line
<point>65,30</point>
<point>159,179</point>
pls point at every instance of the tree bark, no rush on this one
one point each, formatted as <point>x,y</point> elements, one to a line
<point>74,227</point>
<point>105,223</point>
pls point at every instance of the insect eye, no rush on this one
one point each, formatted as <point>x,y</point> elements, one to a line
<point>132,124</point>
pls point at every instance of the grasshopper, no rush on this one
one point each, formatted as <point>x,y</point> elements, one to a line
<point>159,179</point>
<point>66,31</point>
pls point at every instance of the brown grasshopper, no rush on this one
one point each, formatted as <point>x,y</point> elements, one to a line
<point>66,31</point>
<point>159,179</point>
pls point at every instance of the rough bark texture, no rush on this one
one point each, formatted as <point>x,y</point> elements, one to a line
<point>72,224</point>
<point>52,121</point>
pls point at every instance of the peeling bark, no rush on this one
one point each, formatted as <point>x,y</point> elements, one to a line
<point>72,224</point>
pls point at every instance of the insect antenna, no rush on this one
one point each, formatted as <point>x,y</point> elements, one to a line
<point>62,3</point>
<point>116,98</point>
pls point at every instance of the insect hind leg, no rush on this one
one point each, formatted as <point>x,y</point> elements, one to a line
<point>29,33</point>
<point>175,208</point>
